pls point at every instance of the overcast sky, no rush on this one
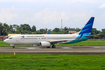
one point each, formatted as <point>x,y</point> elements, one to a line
<point>48,13</point>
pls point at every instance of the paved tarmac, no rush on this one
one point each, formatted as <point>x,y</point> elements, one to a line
<point>57,50</point>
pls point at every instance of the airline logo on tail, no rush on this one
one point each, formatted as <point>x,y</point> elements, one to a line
<point>88,27</point>
<point>86,31</point>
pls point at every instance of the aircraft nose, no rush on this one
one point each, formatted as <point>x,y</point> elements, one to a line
<point>5,40</point>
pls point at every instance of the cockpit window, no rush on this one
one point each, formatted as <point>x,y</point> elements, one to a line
<point>10,38</point>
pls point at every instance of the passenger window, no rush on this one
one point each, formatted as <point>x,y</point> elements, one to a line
<point>10,38</point>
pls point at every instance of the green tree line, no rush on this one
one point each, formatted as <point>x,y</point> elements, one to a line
<point>6,29</point>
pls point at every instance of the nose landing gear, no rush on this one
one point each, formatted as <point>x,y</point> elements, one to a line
<point>12,45</point>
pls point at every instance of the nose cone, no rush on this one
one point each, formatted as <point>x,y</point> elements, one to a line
<point>5,41</point>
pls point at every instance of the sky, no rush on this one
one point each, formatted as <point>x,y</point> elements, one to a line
<point>48,13</point>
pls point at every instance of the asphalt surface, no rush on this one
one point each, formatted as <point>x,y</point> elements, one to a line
<point>57,50</point>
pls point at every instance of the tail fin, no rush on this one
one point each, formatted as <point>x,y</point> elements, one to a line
<point>88,27</point>
<point>48,33</point>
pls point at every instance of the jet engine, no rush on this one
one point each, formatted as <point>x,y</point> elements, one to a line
<point>44,44</point>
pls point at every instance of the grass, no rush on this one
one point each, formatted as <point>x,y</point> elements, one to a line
<point>90,42</point>
<point>51,62</point>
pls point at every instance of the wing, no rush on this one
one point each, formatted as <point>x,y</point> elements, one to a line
<point>58,41</point>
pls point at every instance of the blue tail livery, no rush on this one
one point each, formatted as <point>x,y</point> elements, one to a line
<point>85,33</point>
<point>88,27</point>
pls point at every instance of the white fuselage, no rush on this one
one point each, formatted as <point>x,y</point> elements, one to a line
<point>37,38</point>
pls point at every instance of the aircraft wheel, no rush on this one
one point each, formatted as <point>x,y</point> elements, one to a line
<point>53,46</point>
<point>48,46</point>
<point>13,46</point>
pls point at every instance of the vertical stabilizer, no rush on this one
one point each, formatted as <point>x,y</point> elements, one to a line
<point>88,27</point>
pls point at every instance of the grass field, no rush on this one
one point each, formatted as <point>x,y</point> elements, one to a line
<point>89,42</point>
<point>51,62</point>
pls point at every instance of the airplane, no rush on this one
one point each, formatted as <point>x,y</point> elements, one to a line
<point>51,39</point>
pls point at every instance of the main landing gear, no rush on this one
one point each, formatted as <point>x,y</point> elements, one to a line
<point>48,46</point>
<point>13,46</point>
<point>53,46</point>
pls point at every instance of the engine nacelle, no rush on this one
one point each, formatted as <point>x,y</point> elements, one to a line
<point>44,43</point>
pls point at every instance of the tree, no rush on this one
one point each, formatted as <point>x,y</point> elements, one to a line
<point>103,31</point>
<point>16,27</point>
<point>3,29</point>
<point>24,28</point>
<point>77,29</point>
<point>43,31</point>
<point>56,30</point>
<point>11,29</point>
<point>65,30</point>
<point>95,31</point>
<point>33,28</point>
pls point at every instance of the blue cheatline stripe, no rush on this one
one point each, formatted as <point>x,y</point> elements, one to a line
<point>86,31</point>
